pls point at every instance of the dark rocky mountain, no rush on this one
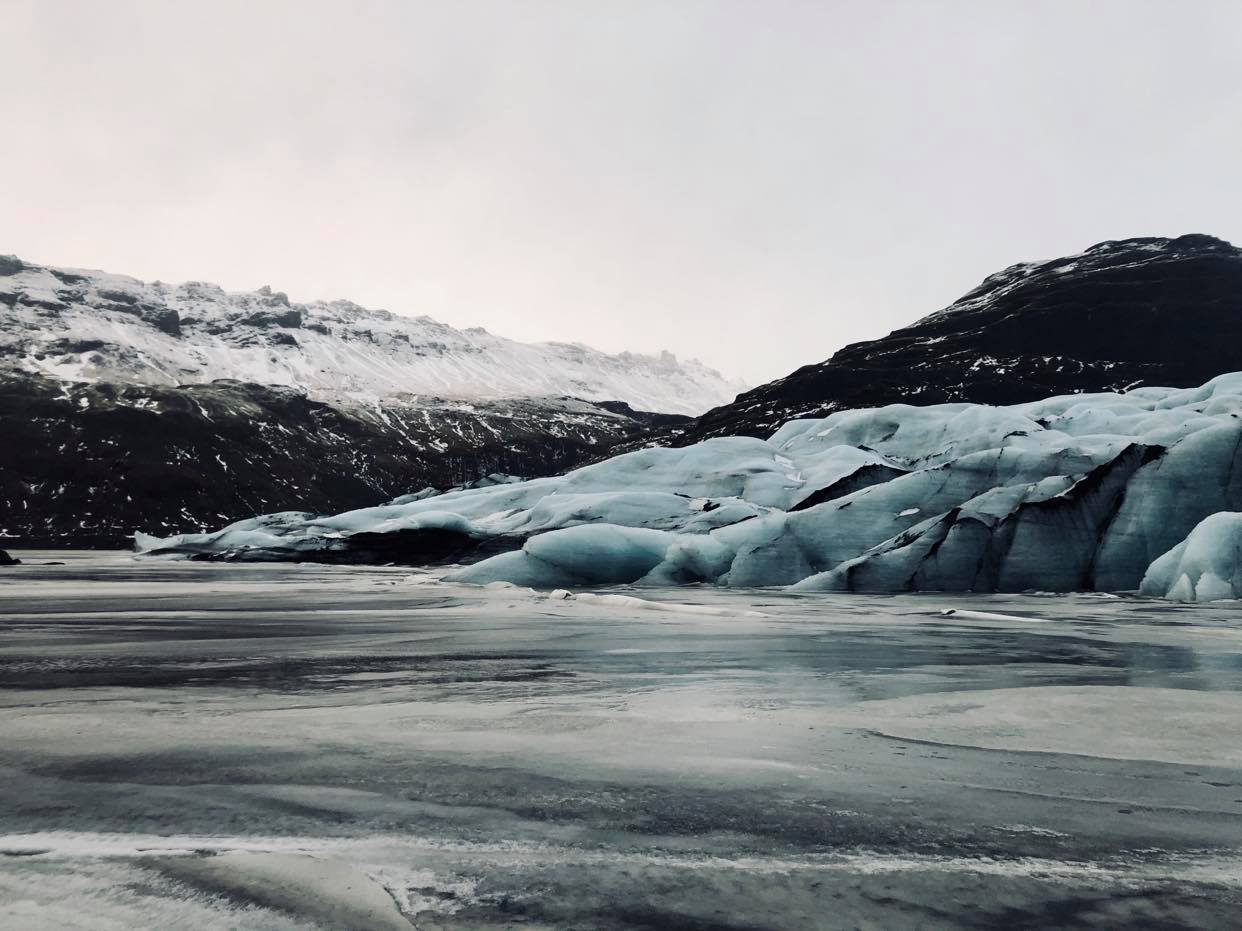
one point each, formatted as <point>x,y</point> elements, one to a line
<point>1150,311</point>
<point>87,464</point>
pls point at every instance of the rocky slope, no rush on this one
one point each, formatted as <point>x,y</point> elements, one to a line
<point>1151,311</point>
<point>131,406</point>
<point>88,464</point>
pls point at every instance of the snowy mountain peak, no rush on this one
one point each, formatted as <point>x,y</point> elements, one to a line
<point>87,326</point>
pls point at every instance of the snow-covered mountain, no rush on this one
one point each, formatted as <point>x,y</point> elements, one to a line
<point>126,404</point>
<point>90,326</point>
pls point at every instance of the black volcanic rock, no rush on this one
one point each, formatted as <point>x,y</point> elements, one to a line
<point>7,560</point>
<point>1149,311</point>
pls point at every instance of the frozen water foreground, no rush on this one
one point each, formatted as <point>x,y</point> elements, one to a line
<point>1075,493</point>
<point>297,746</point>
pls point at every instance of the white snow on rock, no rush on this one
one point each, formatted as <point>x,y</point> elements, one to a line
<point>84,325</point>
<point>1206,566</point>
<point>1080,492</point>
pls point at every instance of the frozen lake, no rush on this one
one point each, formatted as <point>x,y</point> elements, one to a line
<point>280,746</point>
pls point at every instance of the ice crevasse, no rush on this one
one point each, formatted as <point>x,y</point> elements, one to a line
<point>1078,492</point>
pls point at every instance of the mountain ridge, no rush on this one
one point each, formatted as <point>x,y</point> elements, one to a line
<point>84,325</point>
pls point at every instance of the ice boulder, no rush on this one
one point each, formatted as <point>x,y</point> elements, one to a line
<point>584,555</point>
<point>1206,566</point>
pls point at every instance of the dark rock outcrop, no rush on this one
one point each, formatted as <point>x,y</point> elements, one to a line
<point>291,318</point>
<point>164,319</point>
<point>648,418</point>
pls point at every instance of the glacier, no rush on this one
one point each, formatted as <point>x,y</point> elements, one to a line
<point>1081,492</point>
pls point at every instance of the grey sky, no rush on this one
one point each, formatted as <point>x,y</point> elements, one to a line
<point>753,183</point>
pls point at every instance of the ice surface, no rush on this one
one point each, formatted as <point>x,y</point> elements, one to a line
<point>212,746</point>
<point>584,555</point>
<point>1206,566</point>
<point>329,890</point>
<point>1178,726</point>
<point>1080,492</point>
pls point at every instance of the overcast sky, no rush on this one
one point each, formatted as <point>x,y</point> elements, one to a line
<point>753,183</point>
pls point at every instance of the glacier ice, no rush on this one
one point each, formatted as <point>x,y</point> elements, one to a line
<point>1079,492</point>
<point>1206,566</point>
